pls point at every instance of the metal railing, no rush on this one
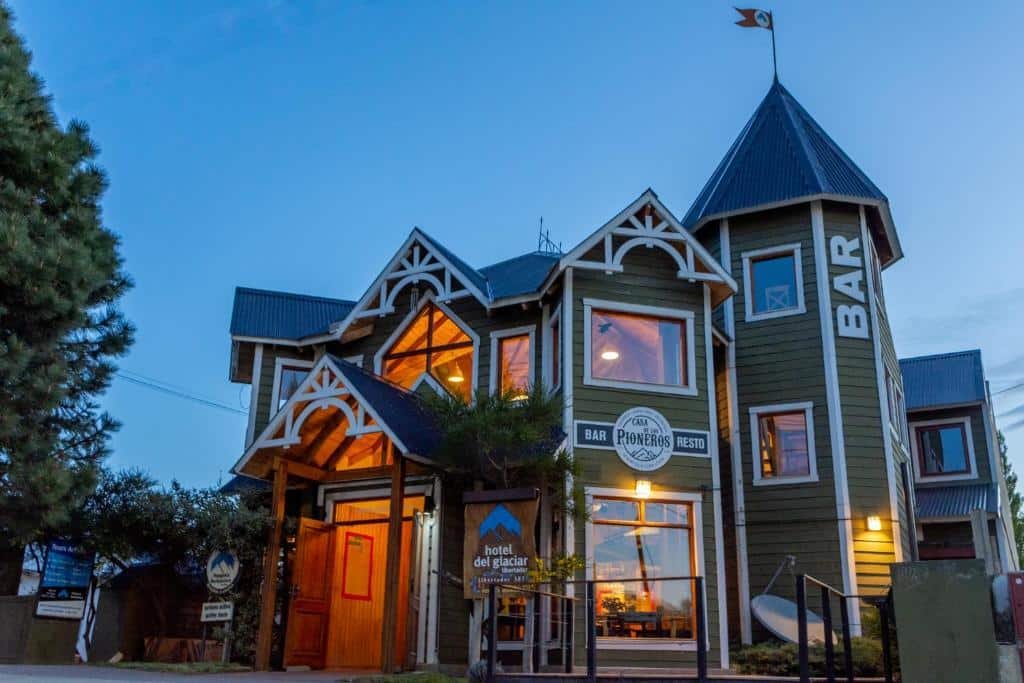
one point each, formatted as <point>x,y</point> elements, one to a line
<point>698,617</point>
<point>882,603</point>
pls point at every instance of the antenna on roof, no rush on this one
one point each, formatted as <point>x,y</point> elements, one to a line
<point>544,242</point>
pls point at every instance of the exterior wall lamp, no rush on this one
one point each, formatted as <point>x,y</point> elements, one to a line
<point>643,488</point>
<point>874,523</point>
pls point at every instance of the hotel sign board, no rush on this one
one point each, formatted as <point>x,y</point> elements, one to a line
<point>499,547</point>
<point>642,438</point>
<point>64,586</point>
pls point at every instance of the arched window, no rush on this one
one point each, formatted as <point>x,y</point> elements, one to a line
<point>432,342</point>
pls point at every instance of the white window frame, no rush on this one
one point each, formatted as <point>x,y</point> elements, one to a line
<point>280,363</point>
<point>496,337</point>
<point>748,302</point>
<point>897,404</point>
<point>807,407</point>
<point>919,476</point>
<point>697,528</point>
<point>378,358</point>
<point>689,319</point>
<point>552,381</point>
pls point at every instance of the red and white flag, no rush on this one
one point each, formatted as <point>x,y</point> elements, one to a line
<point>755,18</point>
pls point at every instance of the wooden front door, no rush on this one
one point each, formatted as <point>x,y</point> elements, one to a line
<point>358,608</point>
<point>310,605</point>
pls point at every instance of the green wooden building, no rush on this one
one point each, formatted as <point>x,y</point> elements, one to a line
<point>729,386</point>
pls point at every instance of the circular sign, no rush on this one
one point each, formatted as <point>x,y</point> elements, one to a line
<point>221,570</point>
<point>643,439</point>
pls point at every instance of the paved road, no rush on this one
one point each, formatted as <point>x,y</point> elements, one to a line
<point>99,674</point>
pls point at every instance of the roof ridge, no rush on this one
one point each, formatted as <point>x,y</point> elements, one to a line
<point>797,130</point>
<point>535,252</point>
<point>946,354</point>
<point>291,295</point>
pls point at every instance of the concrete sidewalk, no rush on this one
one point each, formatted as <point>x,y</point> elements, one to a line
<point>103,674</point>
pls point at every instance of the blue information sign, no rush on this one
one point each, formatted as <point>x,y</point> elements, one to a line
<point>65,581</point>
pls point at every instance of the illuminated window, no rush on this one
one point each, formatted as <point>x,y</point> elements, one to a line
<point>432,342</point>
<point>512,361</point>
<point>783,437</point>
<point>635,543</point>
<point>773,283</point>
<point>637,347</point>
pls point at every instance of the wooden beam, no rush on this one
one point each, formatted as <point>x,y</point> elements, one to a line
<point>389,633</point>
<point>361,473</point>
<point>325,433</point>
<point>265,638</point>
<point>299,469</point>
<point>334,457</point>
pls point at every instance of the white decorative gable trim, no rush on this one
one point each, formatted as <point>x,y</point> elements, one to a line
<point>416,261</point>
<point>647,222</point>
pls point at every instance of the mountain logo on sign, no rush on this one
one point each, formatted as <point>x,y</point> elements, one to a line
<point>221,570</point>
<point>499,523</point>
<point>223,562</point>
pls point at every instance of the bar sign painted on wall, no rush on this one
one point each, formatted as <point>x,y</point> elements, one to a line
<point>599,435</point>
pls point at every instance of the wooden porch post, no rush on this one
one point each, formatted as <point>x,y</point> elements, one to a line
<point>265,638</point>
<point>390,659</point>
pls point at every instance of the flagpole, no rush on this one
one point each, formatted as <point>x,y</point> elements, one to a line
<point>775,64</point>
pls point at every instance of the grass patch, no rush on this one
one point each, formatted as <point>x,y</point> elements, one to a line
<point>182,667</point>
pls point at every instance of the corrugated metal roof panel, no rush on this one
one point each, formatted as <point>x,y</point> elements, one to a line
<point>782,154</point>
<point>472,274</point>
<point>519,275</point>
<point>280,315</point>
<point>944,502</point>
<point>944,379</point>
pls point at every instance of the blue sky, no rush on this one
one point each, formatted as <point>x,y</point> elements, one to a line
<point>293,146</point>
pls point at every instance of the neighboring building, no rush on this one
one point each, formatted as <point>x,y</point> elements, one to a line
<point>751,337</point>
<point>956,462</point>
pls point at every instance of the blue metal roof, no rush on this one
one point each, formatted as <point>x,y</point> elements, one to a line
<point>280,315</point>
<point>780,156</point>
<point>519,275</point>
<point>943,380</point>
<point>944,502</point>
<point>402,411</point>
<point>471,273</point>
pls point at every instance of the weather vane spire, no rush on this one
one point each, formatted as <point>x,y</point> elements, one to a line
<point>760,18</point>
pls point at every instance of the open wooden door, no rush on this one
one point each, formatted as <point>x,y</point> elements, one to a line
<point>412,623</point>
<point>309,608</point>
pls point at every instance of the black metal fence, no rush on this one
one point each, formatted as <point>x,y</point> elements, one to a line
<point>882,603</point>
<point>690,623</point>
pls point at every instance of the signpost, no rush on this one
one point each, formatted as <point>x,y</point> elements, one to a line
<point>64,585</point>
<point>499,545</point>
<point>221,574</point>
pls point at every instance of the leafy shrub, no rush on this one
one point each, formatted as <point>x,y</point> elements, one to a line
<point>782,659</point>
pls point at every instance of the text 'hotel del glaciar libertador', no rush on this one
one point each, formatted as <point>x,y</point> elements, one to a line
<point>729,389</point>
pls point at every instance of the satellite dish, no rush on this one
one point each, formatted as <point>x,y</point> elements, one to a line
<point>779,616</point>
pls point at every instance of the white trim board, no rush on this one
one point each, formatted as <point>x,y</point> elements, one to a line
<point>921,478</point>
<point>254,394</point>
<point>687,316</point>
<point>749,257</point>
<point>549,319</point>
<point>755,412</point>
<point>835,414</point>
<point>496,337</point>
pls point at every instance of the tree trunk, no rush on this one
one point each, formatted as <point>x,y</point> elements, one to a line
<point>11,559</point>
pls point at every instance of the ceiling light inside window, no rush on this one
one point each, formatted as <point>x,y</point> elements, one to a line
<point>610,354</point>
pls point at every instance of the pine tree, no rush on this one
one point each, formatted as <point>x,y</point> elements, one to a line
<point>60,280</point>
<point>1016,501</point>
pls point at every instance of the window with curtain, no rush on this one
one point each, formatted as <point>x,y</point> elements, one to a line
<point>942,450</point>
<point>630,347</point>
<point>514,365</point>
<point>635,543</point>
<point>432,343</point>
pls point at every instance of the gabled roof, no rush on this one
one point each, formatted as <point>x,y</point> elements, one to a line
<point>472,274</point>
<point>400,410</point>
<point>519,275</point>
<point>260,313</point>
<point>958,502</point>
<point>944,379</point>
<point>782,156</point>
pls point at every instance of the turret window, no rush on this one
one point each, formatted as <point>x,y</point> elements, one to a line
<point>773,282</point>
<point>783,440</point>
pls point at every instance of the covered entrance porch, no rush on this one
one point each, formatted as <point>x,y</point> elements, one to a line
<point>346,454</point>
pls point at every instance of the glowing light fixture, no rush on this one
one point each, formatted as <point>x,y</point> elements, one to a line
<point>643,488</point>
<point>874,523</point>
<point>610,354</point>
<point>456,377</point>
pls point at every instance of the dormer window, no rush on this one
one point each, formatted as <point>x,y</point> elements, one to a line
<point>433,343</point>
<point>773,282</point>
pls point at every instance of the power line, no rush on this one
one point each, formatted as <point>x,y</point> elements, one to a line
<point>1010,388</point>
<point>157,385</point>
